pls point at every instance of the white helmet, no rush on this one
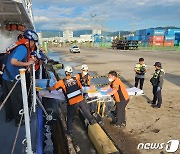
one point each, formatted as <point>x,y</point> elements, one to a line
<point>68,69</point>
<point>84,67</point>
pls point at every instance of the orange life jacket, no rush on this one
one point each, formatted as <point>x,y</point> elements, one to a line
<point>25,42</point>
<point>22,41</point>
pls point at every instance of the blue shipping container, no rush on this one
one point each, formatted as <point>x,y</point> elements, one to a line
<point>132,38</point>
<point>129,38</point>
<point>108,39</point>
<point>159,32</point>
<point>97,38</point>
<point>172,31</point>
<point>136,38</point>
<point>176,42</point>
<point>149,32</point>
<point>145,38</point>
<point>177,36</point>
<point>169,37</point>
<point>140,32</point>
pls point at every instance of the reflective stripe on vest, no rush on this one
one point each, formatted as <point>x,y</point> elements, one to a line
<point>72,88</point>
<point>73,94</point>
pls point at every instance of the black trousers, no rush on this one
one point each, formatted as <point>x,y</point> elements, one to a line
<point>141,82</point>
<point>14,103</point>
<point>157,96</point>
<point>120,111</point>
<point>71,111</point>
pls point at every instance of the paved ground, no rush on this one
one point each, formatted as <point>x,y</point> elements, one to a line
<point>144,123</point>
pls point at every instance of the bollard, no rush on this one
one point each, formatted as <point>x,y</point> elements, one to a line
<point>26,111</point>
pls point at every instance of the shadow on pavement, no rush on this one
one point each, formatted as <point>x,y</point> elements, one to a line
<point>175,79</point>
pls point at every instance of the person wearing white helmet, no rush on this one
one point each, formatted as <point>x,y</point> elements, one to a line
<point>84,76</point>
<point>72,91</point>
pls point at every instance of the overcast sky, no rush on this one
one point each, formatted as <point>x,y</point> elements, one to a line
<point>109,15</point>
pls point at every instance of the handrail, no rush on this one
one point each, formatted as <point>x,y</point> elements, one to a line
<point>26,111</point>
<point>21,112</point>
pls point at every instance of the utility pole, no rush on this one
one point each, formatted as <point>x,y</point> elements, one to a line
<point>93,26</point>
<point>132,25</point>
<point>119,35</point>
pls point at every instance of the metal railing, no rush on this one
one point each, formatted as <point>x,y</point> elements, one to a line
<point>23,112</point>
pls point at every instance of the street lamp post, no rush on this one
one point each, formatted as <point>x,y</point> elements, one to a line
<point>93,27</point>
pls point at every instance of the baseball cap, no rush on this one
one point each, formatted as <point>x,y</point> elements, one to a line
<point>157,64</point>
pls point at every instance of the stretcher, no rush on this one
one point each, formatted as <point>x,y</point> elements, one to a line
<point>134,91</point>
<point>104,102</point>
<point>53,94</point>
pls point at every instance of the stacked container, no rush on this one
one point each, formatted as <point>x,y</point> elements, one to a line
<point>169,38</point>
<point>157,37</point>
<point>177,39</point>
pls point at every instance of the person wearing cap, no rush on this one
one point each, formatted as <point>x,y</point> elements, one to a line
<point>140,70</point>
<point>71,88</point>
<point>157,83</point>
<point>84,76</point>
<point>16,60</point>
<point>120,96</point>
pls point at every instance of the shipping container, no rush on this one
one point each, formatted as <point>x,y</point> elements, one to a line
<point>159,32</point>
<point>176,43</point>
<point>169,37</point>
<point>172,31</point>
<point>108,39</point>
<point>133,38</point>
<point>156,38</point>
<point>140,32</point>
<point>177,36</point>
<point>128,38</point>
<point>160,44</point>
<point>97,38</point>
<point>168,43</point>
<point>149,32</point>
<point>139,37</point>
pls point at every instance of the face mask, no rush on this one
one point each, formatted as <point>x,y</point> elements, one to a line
<point>110,80</point>
<point>85,73</point>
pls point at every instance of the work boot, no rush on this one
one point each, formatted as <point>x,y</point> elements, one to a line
<point>156,107</point>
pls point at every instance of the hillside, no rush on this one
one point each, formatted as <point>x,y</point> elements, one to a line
<point>54,33</point>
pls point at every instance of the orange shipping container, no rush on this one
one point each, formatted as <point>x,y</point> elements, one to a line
<point>156,39</point>
<point>168,43</point>
<point>160,44</point>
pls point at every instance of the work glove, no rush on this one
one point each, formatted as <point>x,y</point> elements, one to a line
<point>158,88</point>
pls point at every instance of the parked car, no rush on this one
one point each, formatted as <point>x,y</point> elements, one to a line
<point>74,49</point>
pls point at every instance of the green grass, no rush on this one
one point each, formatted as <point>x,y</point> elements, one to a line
<point>174,48</point>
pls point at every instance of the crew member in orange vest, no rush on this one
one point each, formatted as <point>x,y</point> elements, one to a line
<point>121,98</point>
<point>84,76</point>
<point>72,91</point>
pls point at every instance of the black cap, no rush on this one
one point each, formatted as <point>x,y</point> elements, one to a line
<point>157,64</point>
